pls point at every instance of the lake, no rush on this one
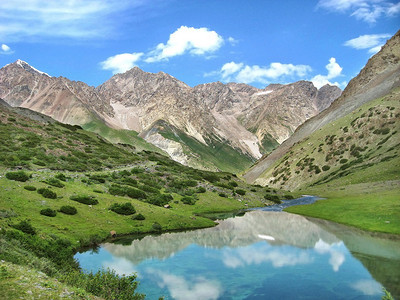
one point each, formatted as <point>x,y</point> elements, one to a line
<point>264,254</point>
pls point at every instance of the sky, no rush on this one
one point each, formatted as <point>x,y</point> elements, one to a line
<point>257,42</point>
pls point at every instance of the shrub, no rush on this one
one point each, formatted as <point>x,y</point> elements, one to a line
<point>223,195</point>
<point>288,197</point>
<point>48,212</point>
<point>136,193</point>
<point>201,189</point>
<point>84,199</point>
<point>54,182</point>
<point>17,176</point>
<point>188,200</point>
<point>61,176</point>
<point>116,189</point>
<point>160,199</point>
<point>325,168</point>
<point>156,226</point>
<point>138,217</point>
<point>68,210</point>
<point>343,160</point>
<point>47,193</point>
<point>233,183</point>
<point>241,192</point>
<point>30,188</point>
<point>123,209</point>
<point>25,227</point>
<point>273,198</point>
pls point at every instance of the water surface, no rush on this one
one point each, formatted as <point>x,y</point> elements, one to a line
<point>261,255</point>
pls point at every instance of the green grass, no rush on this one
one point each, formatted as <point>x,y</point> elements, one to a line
<point>215,155</point>
<point>122,136</point>
<point>372,207</point>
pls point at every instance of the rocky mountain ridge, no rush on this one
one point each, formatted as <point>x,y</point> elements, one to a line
<point>379,78</point>
<point>250,121</point>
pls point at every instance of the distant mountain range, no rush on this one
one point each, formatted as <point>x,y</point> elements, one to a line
<point>210,126</point>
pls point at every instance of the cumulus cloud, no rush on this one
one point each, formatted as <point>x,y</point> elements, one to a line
<point>196,41</point>
<point>373,42</point>
<point>365,10</point>
<point>22,19</point>
<point>182,289</point>
<point>334,70</point>
<point>121,266</point>
<point>337,257</point>
<point>5,49</point>
<point>368,287</point>
<point>234,258</point>
<point>121,62</point>
<point>239,72</point>
<point>232,41</point>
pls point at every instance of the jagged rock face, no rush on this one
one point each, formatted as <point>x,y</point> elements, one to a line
<point>64,100</point>
<point>237,114</point>
<point>379,76</point>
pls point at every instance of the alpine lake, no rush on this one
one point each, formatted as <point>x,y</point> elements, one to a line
<point>261,254</point>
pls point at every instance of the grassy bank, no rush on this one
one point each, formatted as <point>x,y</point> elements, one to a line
<point>373,206</point>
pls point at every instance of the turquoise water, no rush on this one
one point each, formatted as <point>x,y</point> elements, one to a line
<point>261,255</point>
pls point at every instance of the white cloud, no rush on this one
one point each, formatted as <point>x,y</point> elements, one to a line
<point>372,41</point>
<point>196,41</point>
<point>5,49</point>
<point>182,289</point>
<point>121,62</point>
<point>337,257</point>
<point>366,10</point>
<point>22,19</point>
<point>240,72</point>
<point>367,287</point>
<point>367,41</point>
<point>121,266</point>
<point>234,258</point>
<point>334,70</point>
<point>232,41</point>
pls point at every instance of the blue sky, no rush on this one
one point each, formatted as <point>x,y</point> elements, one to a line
<point>256,41</point>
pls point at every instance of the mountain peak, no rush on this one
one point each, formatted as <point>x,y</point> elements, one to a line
<point>24,65</point>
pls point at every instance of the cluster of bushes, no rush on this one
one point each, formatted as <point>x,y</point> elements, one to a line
<point>84,199</point>
<point>47,193</point>
<point>273,198</point>
<point>54,182</point>
<point>17,176</point>
<point>68,210</point>
<point>188,200</point>
<point>123,209</point>
<point>48,212</point>
<point>138,217</point>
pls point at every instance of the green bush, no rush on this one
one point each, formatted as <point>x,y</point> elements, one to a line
<point>84,199</point>
<point>240,192</point>
<point>343,160</point>
<point>17,176</point>
<point>223,195</point>
<point>136,193</point>
<point>201,189</point>
<point>68,210</point>
<point>138,217</point>
<point>123,209</point>
<point>118,190</point>
<point>188,200</point>
<point>273,198</point>
<point>25,227</point>
<point>233,183</point>
<point>160,199</point>
<point>30,188</point>
<point>325,168</point>
<point>47,193</point>
<point>48,212</point>
<point>156,226</point>
<point>54,182</point>
<point>288,197</point>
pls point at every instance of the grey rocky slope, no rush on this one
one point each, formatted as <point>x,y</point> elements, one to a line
<point>182,120</point>
<point>379,76</point>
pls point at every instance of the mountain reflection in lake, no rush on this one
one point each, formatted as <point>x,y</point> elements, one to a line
<point>262,255</point>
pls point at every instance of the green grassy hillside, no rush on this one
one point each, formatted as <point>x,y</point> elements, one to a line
<point>355,162</point>
<point>63,188</point>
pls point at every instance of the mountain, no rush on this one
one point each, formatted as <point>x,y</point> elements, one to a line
<point>208,126</point>
<point>357,134</point>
